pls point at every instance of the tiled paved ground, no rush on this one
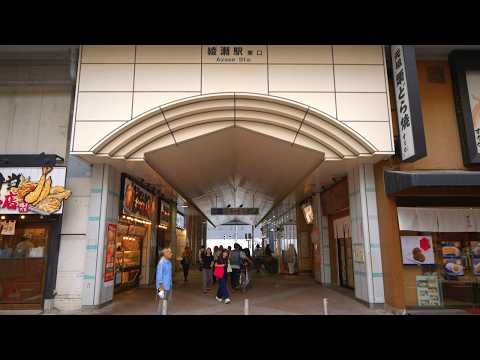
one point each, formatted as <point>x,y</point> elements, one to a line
<point>271,295</point>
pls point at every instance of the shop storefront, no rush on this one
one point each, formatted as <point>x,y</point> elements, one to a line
<point>335,206</point>
<point>430,223</point>
<point>280,233</point>
<point>342,235</point>
<point>137,212</point>
<point>31,205</point>
<point>439,237</point>
<point>440,256</point>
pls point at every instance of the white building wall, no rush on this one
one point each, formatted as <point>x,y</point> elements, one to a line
<point>118,83</point>
<point>35,109</point>
<point>103,209</point>
<point>34,119</point>
<point>71,259</point>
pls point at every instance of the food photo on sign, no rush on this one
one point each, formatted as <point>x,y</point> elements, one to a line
<point>110,253</point>
<point>137,201</point>
<point>33,190</point>
<point>453,262</point>
<point>476,258</point>
<point>417,250</point>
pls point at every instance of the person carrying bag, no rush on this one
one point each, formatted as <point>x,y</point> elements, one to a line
<point>221,274</point>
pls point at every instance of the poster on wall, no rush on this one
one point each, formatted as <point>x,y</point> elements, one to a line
<point>417,250</point>
<point>7,227</point>
<point>428,290</point>
<point>165,213</point>
<point>33,190</point>
<point>475,245</point>
<point>137,201</point>
<point>307,210</point>
<point>110,253</point>
<point>453,262</point>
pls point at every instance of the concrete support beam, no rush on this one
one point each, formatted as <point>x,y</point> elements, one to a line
<point>367,264</point>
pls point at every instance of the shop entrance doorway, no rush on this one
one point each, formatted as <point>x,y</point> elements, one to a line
<point>343,240</point>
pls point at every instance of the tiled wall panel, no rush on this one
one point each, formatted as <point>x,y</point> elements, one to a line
<point>118,83</point>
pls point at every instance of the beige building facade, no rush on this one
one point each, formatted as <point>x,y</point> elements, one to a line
<point>203,120</point>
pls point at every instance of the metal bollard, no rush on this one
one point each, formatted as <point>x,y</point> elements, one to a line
<point>245,308</point>
<point>325,306</point>
<point>164,307</point>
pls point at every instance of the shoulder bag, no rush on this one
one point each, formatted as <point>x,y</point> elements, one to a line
<point>218,272</point>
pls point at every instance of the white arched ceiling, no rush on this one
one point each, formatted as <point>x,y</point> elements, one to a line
<point>233,148</point>
<point>189,118</point>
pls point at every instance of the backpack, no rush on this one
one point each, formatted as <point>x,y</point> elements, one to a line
<point>235,257</point>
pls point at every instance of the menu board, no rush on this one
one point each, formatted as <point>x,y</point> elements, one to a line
<point>122,229</point>
<point>453,263</point>
<point>7,227</point>
<point>428,290</point>
<point>135,230</point>
<point>110,253</point>
<point>476,257</point>
<point>417,250</point>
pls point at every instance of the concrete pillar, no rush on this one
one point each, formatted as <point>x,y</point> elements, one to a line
<point>322,266</point>
<point>367,264</point>
<point>103,209</point>
<point>173,234</point>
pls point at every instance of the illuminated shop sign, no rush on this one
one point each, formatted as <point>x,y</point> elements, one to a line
<point>307,210</point>
<point>165,213</point>
<point>33,190</point>
<point>180,221</point>
<point>136,201</point>
<point>409,114</point>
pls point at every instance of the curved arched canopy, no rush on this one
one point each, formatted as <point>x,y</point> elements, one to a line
<point>190,118</point>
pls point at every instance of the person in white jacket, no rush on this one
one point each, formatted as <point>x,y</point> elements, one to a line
<point>291,259</point>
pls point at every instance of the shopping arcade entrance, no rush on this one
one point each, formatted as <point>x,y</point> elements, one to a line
<point>235,150</point>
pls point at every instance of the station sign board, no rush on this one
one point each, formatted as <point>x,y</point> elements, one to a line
<point>234,211</point>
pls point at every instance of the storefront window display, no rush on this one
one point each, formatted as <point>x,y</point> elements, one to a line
<point>23,263</point>
<point>281,234</point>
<point>441,256</point>
<point>31,202</point>
<point>128,265</point>
<point>138,207</point>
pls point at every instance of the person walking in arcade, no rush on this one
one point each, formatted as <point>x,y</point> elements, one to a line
<point>221,274</point>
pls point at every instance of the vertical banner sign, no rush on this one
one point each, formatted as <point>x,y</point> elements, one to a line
<point>465,67</point>
<point>110,253</point>
<point>409,115</point>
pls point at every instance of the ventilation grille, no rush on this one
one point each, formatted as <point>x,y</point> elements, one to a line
<point>436,74</point>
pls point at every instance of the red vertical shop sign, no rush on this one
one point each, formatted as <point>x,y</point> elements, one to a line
<point>110,253</point>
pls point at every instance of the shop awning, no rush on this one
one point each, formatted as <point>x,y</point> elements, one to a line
<point>407,182</point>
